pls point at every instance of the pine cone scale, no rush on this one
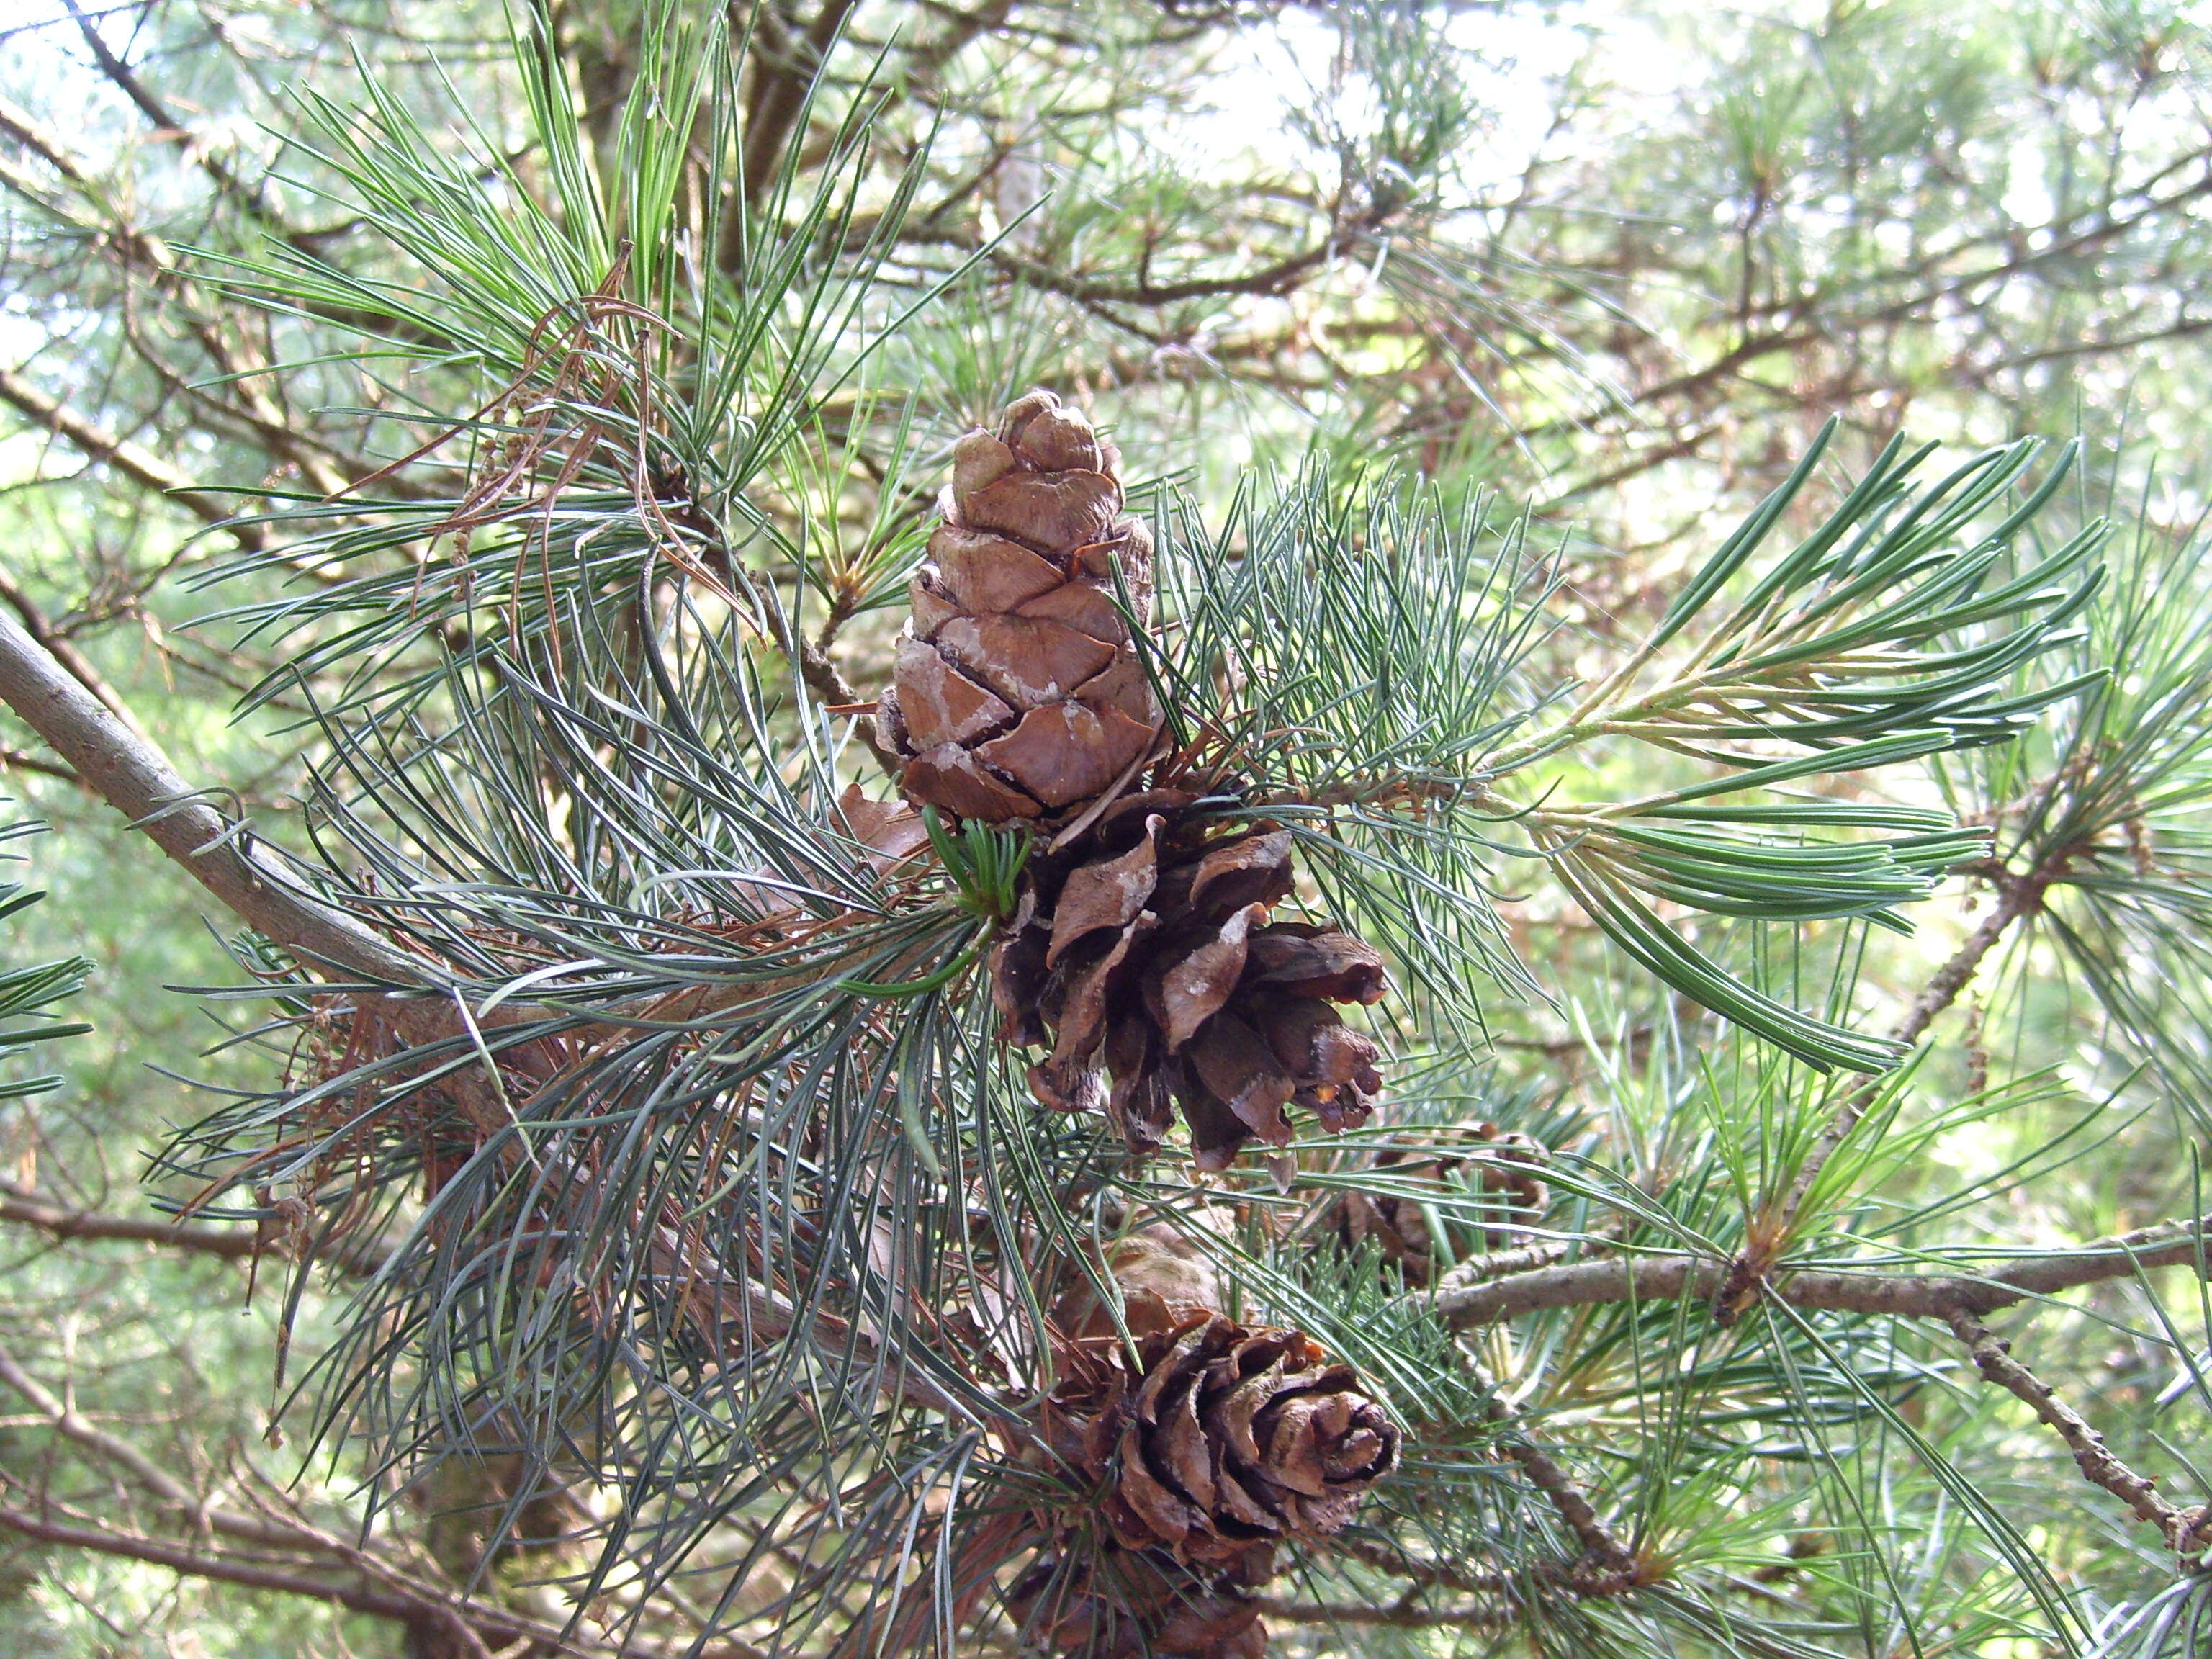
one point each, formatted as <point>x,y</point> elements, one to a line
<point>942,705</point>
<point>1189,1456</point>
<point>1238,1070</point>
<point>1027,661</point>
<point>1068,752</point>
<point>1149,1514</point>
<point>982,573</point>
<point>1195,985</point>
<point>1109,894</point>
<point>1252,870</point>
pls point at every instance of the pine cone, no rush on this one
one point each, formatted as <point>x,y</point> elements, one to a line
<point>1155,1261</point>
<point>1501,1162</point>
<point>1222,1442</point>
<point>1017,692</point>
<point>1128,1604</point>
<point>1145,951</point>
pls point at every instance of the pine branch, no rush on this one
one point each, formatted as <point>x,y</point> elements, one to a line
<point>785,71</point>
<point>432,1616</point>
<point>28,1207</point>
<point>73,1425</point>
<point>138,250</point>
<point>414,1611</point>
<point>2185,1531</point>
<point>64,651</point>
<point>1925,1296</point>
<point>134,461</point>
<point>1608,1566</point>
<point>18,760</point>
<point>373,1585</point>
<point>251,196</point>
<point>219,853</point>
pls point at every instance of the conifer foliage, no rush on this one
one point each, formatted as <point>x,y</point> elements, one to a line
<point>977,1134</point>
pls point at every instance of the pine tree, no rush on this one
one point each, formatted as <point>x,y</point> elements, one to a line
<point>979,1130</point>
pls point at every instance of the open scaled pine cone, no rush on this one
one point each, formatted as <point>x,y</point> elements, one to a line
<point>1502,1163</point>
<point>1220,1441</point>
<point>1147,951</point>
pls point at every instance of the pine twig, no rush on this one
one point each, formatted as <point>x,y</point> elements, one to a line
<point>2186,1531</point>
<point>1608,1566</point>
<point>18,760</point>
<point>1503,1264</point>
<point>29,1208</point>
<point>2018,897</point>
<point>1466,1616</point>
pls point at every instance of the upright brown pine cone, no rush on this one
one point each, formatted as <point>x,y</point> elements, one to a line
<point>1221,1442</point>
<point>1017,692</point>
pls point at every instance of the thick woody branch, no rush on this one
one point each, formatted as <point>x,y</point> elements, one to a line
<point>1924,1295</point>
<point>65,651</point>
<point>132,775</point>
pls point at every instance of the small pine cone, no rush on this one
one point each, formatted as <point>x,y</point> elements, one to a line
<point>1511,1167</point>
<point>1501,1162</point>
<point>1146,953</point>
<point>1127,1604</point>
<point>1397,1226</point>
<point>1018,693</point>
<point>1156,1261</point>
<point>1221,1442</point>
